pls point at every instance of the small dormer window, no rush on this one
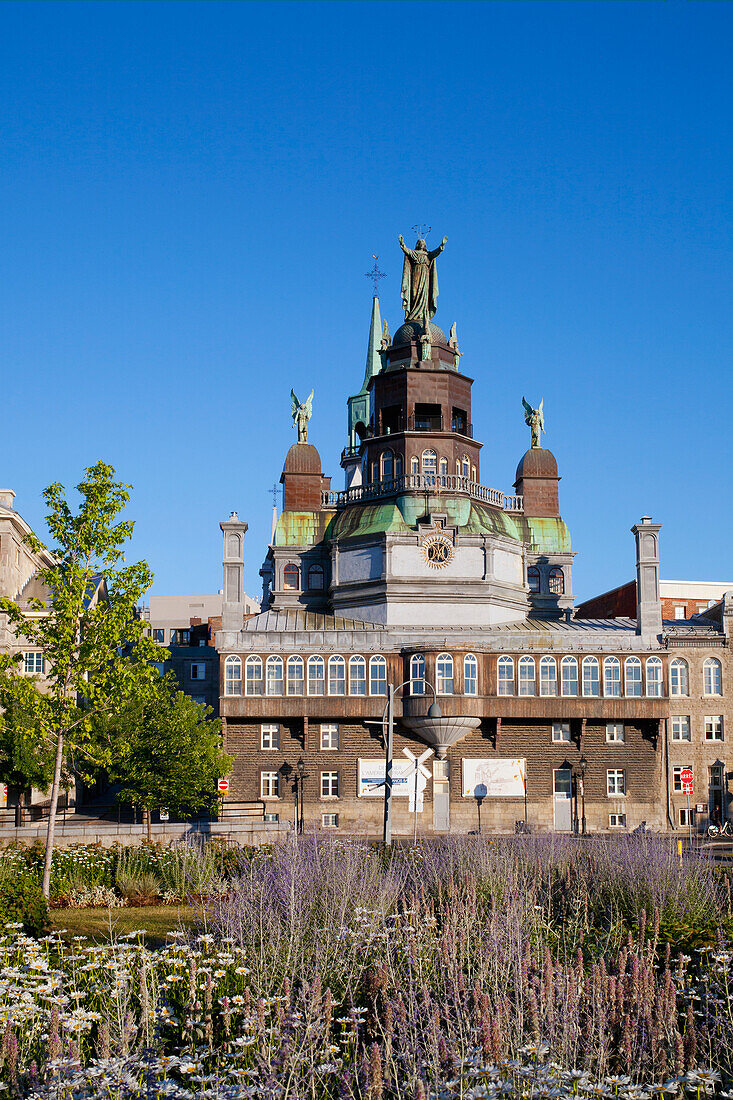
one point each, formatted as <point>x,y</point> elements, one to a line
<point>291,578</point>
<point>533,578</point>
<point>557,581</point>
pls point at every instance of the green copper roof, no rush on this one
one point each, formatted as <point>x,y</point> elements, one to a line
<point>301,528</point>
<point>403,513</point>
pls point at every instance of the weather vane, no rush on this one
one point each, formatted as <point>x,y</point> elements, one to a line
<point>375,275</point>
<point>421,229</point>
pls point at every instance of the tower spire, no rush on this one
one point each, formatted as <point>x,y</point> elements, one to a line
<point>373,358</point>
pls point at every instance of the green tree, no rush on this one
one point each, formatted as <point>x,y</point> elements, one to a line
<point>97,658</point>
<point>168,752</point>
<point>26,760</point>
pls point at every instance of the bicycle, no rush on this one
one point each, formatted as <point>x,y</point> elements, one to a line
<point>720,830</point>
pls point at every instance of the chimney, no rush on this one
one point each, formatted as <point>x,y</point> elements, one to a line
<point>232,612</point>
<point>648,603</point>
<point>7,496</point>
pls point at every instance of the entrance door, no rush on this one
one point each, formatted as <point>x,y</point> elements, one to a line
<point>715,793</point>
<point>563,800</point>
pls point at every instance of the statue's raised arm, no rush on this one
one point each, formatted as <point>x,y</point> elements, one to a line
<point>439,249</point>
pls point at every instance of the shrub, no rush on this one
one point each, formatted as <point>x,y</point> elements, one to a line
<point>141,888</point>
<point>21,902</point>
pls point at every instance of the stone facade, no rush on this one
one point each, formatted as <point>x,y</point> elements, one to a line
<point>417,579</point>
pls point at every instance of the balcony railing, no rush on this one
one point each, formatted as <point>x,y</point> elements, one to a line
<point>426,483</point>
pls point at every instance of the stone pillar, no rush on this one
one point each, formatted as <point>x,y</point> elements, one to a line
<point>727,616</point>
<point>648,602</point>
<point>232,611</point>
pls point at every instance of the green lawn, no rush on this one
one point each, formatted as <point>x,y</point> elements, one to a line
<point>104,925</point>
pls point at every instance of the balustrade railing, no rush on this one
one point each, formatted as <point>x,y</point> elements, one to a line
<point>429,483</point>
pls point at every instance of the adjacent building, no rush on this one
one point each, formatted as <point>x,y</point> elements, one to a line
<point>421,577</point>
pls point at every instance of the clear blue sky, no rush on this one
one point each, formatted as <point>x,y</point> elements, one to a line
<point>190,194</point>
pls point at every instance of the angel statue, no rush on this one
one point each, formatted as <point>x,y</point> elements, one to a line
<point>301,415</point>
<point>536,421</point>
<point>420,282</point>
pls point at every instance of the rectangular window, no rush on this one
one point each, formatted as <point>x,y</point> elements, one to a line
<point>591,682</point>
<point>615,782</point>
<point>617,821</point>
<point>569,670</point>
<point>34,664</point>
<point>269,785</point>
<point>270,738</point>
<point>527,677</point>
<point>680,727</point>
<point>159,635</point>
<point>272,818</point>
<point>687,816</point>
<point>560,731</point>
<point>329,737</point>
<point>329,784</point>
<point>715,777</point>
<point>679,612</point>
<point>677,776</point>
<point>198,698</point>
<point>330,821</point>
<point>713,727</point>
<point>198,670</point>
<point>615,732</point>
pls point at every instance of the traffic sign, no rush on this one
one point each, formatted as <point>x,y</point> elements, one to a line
<point>686,779</point>
<point>223,786</point>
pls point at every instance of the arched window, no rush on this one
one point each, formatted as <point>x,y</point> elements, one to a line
<point>569,676</point>
<point>296,675</point>
<point>315,578</point>
<point>465,466</point>
<point>357,676</point>
<point>316,676</point>
<point>712,677</point>
<point>429,463</point>
<point>398,465</point>
<point>632,673</point>
<point>253,676</point>
<point>387,465</point>
<point>505,676</point>
<point>591,678</point>
<point>232,676</point>
<point>527,676</point>
<point>458,467</point>
<point>444,674</point>
<point>444,468</point>
<point>473,474</point>
<point>274,675</point>
<point>556,581</point>
<point>291,578</point>
<point>548,676</point>
<point>470,675</point>
<point>417,674</point>
<point>654,677</point>
<point>612,677</point>
<point>336,676</point>
<point>414,466</point>
<point>377,676</point>
<point>533,578</point>
<point>678,677</point>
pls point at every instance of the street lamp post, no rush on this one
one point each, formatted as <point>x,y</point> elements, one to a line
<point>583,764</point>
<point>301,776</point>
<point>434,711</point>
<point>479,794</point>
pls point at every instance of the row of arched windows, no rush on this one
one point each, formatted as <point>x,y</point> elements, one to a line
<point>332,676</point>
<point>296,676</point>
<point>555,580</point>
<point>315,578</point>
<point>389,466</point>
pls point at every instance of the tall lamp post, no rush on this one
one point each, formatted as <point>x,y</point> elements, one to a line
<point>434,711</point>
<point>582,764</point>
<point>301,776</point>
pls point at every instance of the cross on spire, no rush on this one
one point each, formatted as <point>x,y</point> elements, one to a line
<point>421,229</point>
<point>375,275</point>
<point>275,490</point>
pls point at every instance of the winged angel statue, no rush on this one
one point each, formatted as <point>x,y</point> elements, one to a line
<point>536,421</point>
<point>301,414</point>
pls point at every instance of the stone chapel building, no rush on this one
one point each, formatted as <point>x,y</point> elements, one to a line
<point>420,576</point>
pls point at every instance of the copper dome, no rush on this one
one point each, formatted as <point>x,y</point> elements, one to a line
<point>537,462</point>
<point>302,458</point>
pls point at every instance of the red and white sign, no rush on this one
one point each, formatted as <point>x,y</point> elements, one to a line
<point>223,786</point>
<point>686,778</point>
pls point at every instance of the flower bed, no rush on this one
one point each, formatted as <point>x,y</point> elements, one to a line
<point>527,967</point>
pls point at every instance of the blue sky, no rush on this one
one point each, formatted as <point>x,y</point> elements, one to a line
<point>190,195</point>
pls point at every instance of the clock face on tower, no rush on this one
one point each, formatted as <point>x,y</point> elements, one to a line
<point>438,549</point>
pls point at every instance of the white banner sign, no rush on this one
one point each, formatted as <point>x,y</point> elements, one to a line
<point>371,778</point>
<point>494,778</point>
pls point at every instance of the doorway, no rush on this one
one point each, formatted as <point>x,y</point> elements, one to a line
<point>562,786</point>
